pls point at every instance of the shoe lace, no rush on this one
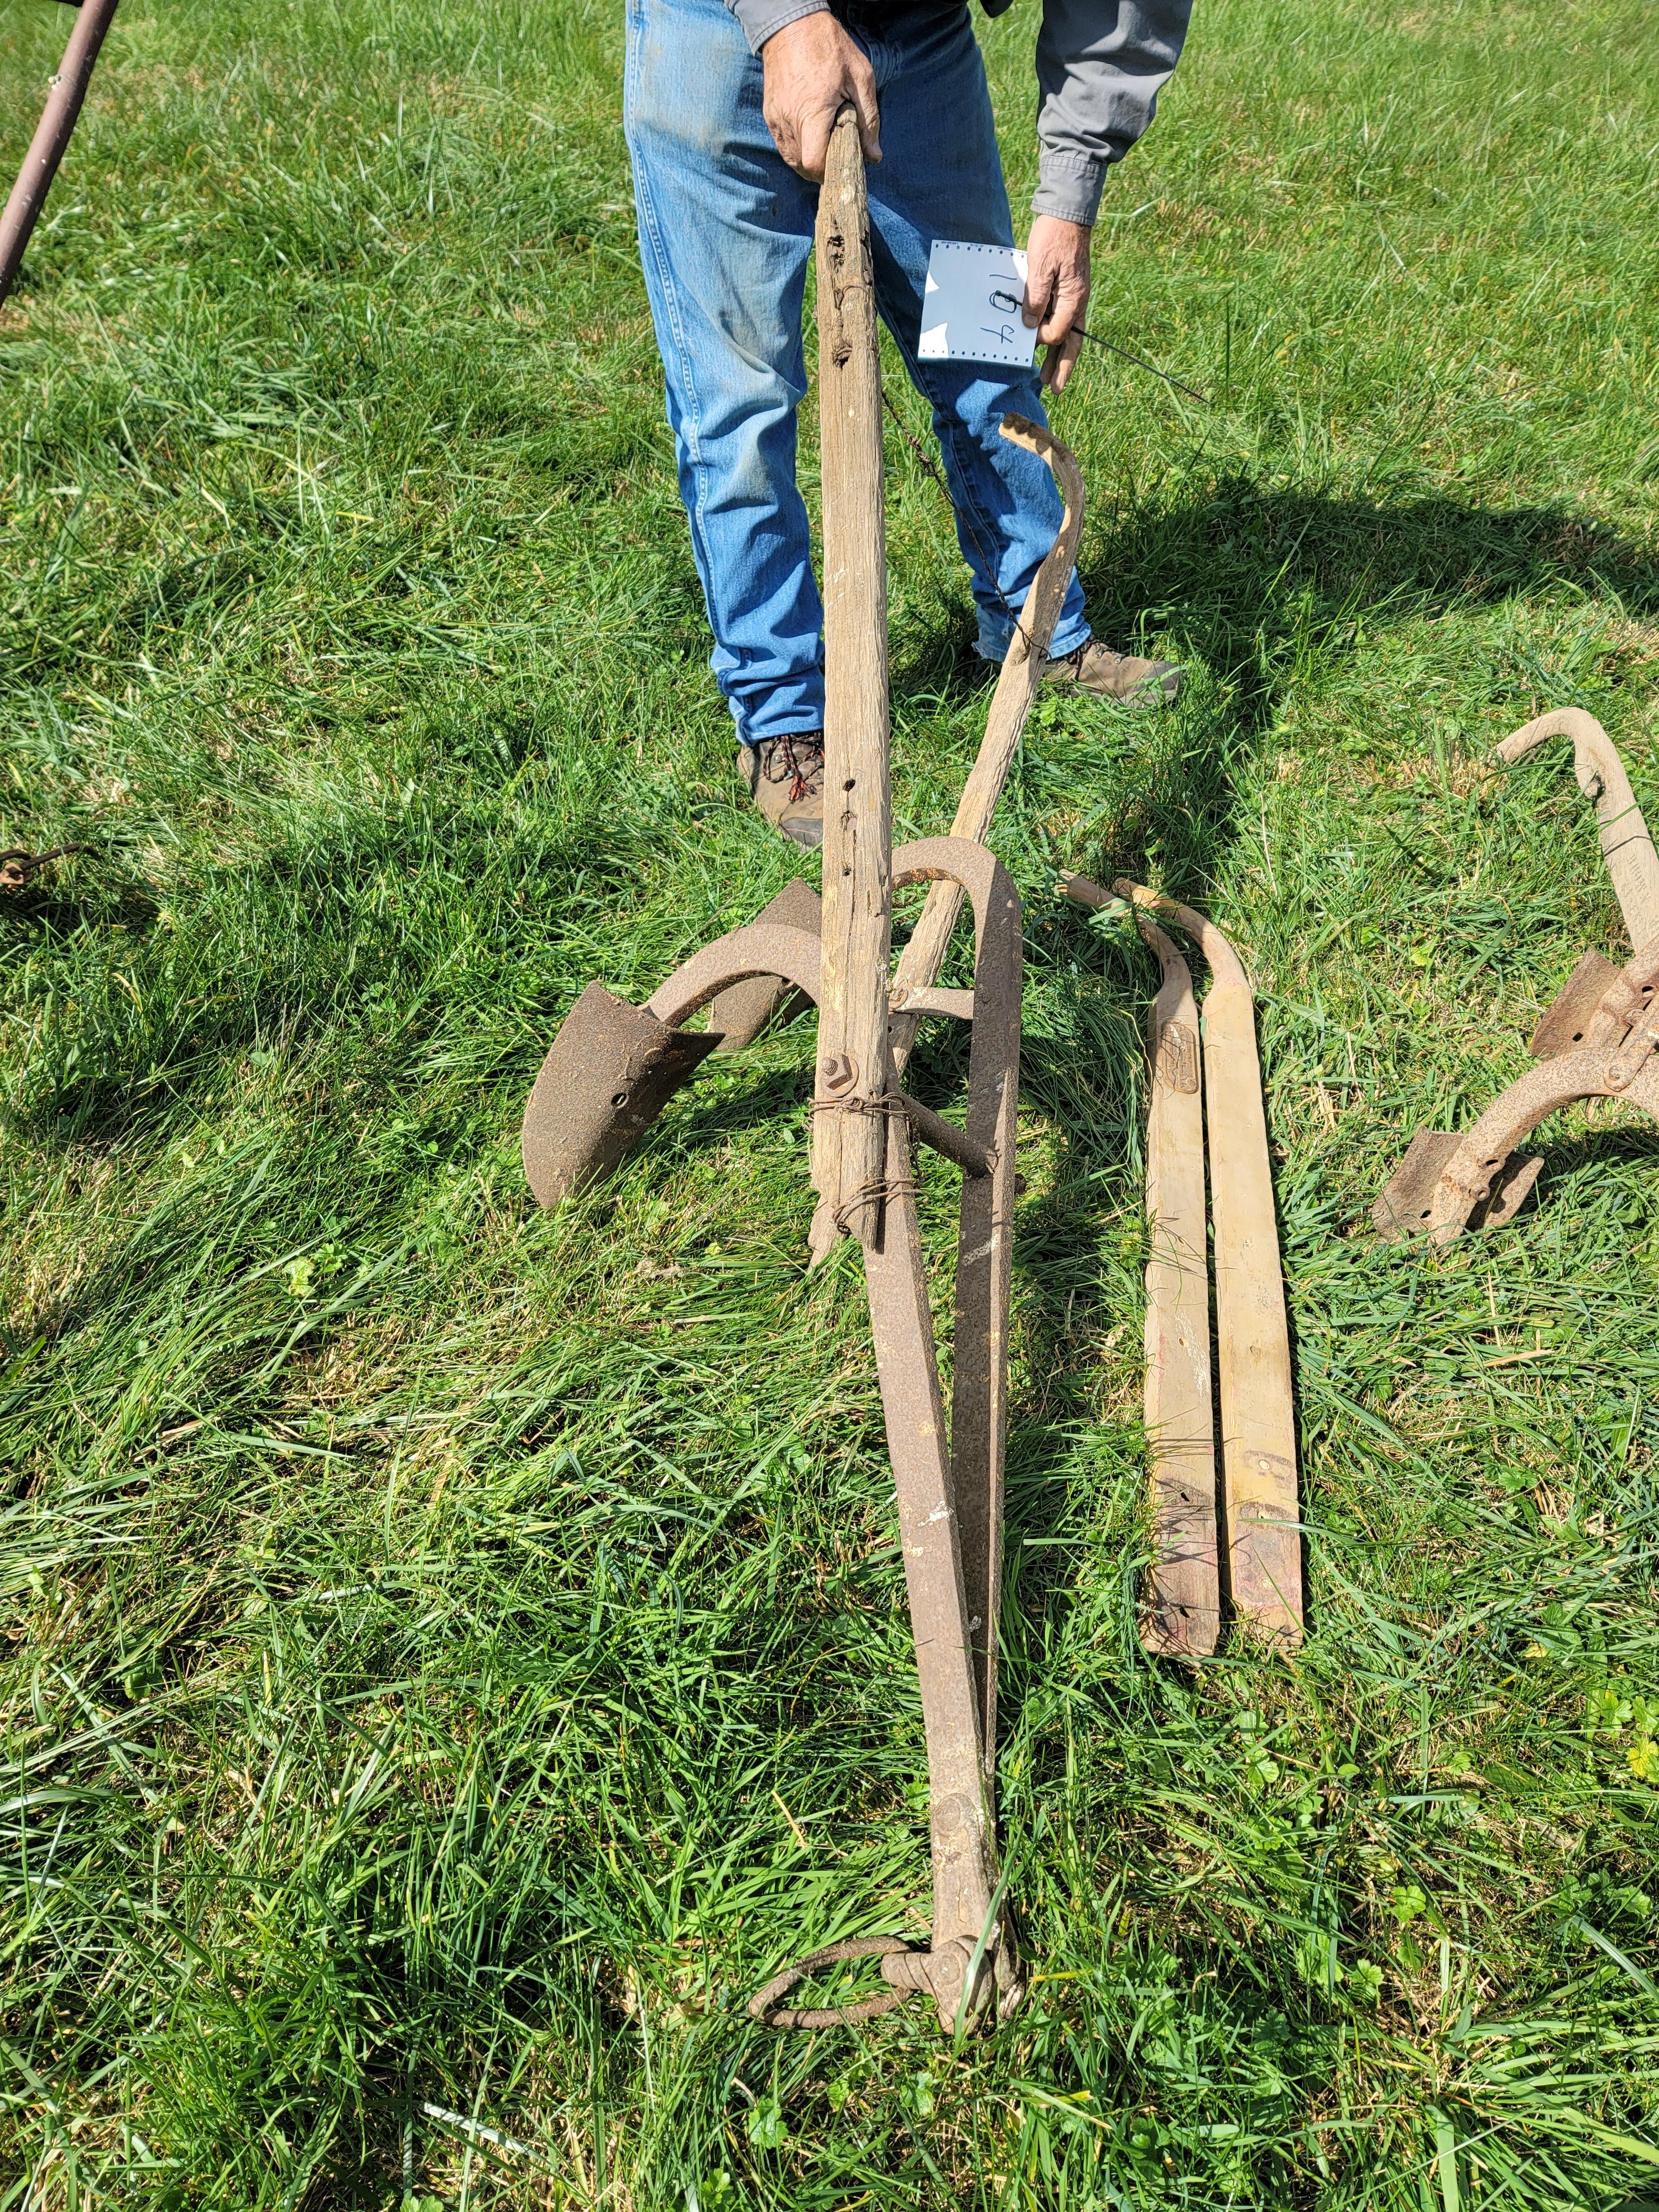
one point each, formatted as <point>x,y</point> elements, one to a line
<point>799,770</point>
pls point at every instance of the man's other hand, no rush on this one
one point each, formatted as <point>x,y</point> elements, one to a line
<point>1057,291</point>
<point>812,67</point>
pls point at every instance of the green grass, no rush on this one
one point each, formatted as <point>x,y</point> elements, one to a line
<point>454,1656</point>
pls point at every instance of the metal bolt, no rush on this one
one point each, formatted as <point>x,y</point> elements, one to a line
<point>840,1074</point>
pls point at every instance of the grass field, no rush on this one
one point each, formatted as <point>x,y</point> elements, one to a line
<point>454,1655</point>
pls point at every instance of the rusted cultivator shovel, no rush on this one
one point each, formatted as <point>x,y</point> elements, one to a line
<point>613,1066</point>
<point>1596,1040</point>
<point>1257,1405</point>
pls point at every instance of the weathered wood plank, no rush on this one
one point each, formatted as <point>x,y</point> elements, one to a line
<point>852,1066</point>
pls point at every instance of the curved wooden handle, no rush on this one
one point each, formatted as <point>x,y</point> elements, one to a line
<point>1017,687</point>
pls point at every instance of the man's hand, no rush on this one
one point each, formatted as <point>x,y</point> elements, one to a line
<point>1056,290</point>
<point>811,68</point>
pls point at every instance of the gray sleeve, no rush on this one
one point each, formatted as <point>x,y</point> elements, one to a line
<point>758,18</point>
<point>1100,65</point>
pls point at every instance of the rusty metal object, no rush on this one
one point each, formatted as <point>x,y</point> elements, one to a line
<point>1183,1607</point>
<point>1476,1180</point>
<point>1256,1392</point>
<point>932,999</point>
<point>613,1068</point>
<point>19,867</point>
<point>1570,1016</point>
<point>960,1819</point>
<point>742,1012</point>
<point>51,136</point>
<point>1625,845</point>
<point>764,2005</point>
<point>942,1973</point>
<point>945,1138</point>
<point>1593,1042</point>
<point>1405,1204</point>
<point>705,978</point>
<point>608,1074</point>
<point>979,1413</point>
<point>1632,864</point>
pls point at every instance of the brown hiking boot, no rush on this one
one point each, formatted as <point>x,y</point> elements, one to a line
<point>784,777</point>
<point>1116,675</point>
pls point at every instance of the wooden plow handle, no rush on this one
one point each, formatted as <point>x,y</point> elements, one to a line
<point>1011,706</point>
<point>849,1148</point>
<point>1182,1617</point>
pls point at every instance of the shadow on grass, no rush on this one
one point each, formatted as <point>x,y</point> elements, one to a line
<point>1257,577</point>
<point>1233,563</point>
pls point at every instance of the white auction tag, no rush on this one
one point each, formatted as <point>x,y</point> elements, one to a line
<point>971,311</point>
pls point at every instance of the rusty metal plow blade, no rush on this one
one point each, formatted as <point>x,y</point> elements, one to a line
<point>613,1066</point>
<point>1595,1040</point>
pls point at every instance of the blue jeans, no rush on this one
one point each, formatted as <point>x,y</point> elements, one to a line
<point>726,231</point>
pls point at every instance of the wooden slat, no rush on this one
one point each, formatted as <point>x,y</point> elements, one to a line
<point>1184,1612</point>
<point>853,1065</point>
<point>1256,1396</point>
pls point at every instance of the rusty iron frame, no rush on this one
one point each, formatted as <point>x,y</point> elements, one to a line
<point>1595,1040</point>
